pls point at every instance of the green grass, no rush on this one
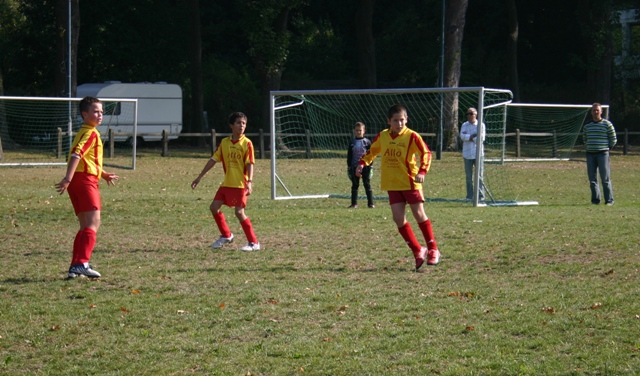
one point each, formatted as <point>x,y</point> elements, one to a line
<point>549,289</point>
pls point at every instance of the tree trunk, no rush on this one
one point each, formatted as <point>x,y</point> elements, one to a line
<point>454,31</point>
<point>366,45</point>
<point>4,131</point>
<point>514,84</point>
<point>271,74</point>
<point>61,74</point>
<point>597,34</point>
<point>196,124</point>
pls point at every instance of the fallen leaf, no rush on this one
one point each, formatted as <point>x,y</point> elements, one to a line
<point>55,327</point>
<point>548,310</point>
<point>470,328</point>
<point>596,305</point>
<point>93,306</point>
<point>221,305</point>
<point>135,292</point>
<point>328,339</point>
<point>124,310</point>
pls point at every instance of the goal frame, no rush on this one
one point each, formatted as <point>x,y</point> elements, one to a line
<point>69,133</point>
<point>275,179</point>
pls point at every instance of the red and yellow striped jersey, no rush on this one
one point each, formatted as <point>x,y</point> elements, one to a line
<point>400,154</point>
<point>234,156</point>
<point>88,146</point>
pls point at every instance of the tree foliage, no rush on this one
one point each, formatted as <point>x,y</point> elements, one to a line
<point>251,46</point>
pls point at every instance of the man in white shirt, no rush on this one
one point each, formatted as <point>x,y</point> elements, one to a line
<point>469,136</point>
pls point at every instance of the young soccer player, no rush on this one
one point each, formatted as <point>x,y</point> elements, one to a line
<point>357,148</point>
<point>236,155</point>
<point>84,171</point>
<point>402,178</point>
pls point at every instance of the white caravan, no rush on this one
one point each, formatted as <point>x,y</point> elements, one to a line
<point>159,108</point>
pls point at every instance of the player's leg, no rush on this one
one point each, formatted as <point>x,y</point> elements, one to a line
<point>468,172</point>
<point>225,233</point>
<point>433,254</point>
<point>366,182</point>
<point>592,174</point>
<point>405,230</point>
<point>247,227</point>
<point>355,185</point>
<point>84,244</point>
<point>604,168</point>
<point>85,196</point>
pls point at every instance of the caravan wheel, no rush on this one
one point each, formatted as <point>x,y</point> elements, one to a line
<point>138,140</point>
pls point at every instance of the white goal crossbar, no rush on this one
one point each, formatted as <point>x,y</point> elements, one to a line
<point>38,131</point>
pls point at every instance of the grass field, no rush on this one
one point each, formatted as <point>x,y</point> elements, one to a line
<point>539,290</point>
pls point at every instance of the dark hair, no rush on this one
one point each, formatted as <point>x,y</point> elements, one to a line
<point>86,102</point>
<point>396,109</point>
<point>236,115</point>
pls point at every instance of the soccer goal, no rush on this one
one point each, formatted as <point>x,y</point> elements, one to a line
<point>310,132</point>
<point>533,132</point>
<point>38,131</point>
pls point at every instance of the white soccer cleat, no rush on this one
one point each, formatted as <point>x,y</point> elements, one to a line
<point>251,247</point>
<point>80,270</point>
<point>222,241</point>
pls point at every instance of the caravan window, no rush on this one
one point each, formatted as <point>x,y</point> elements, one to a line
<point>112,108</point>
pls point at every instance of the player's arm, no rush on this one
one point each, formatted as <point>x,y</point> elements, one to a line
<point>425,158</point>
<point>110,177</point>
<point>210,163</point>
<point>249,183</point>
<point>71,169</point>
<point>369,156</point>
<point>611,135</point>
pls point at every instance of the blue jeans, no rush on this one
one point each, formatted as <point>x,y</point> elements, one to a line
<point>468,170</point>
<point>599,163</point>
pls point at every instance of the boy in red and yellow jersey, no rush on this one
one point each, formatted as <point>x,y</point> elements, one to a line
<point>402,178</point>
<point>236,155</point>
<point>84,171</point>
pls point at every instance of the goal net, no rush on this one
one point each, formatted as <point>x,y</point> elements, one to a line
<point>535,132</point>
<point>38,131</point>
<point>311,130</point>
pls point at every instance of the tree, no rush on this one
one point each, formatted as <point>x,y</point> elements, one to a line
<point>512,49</point>
<point>11,21</point>
<point>266,23</point>
<point>197,92</point>
<point>455,13</point>
<point>366,45</point>
<point>61,85</point>
<point>597,34</point>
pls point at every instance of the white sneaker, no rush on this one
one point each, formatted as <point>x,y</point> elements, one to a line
<point>251,247</point>
<point>80,270</point>
<point>222,241</point>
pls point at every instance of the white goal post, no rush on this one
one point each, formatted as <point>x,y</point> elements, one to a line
<point>38,131</point>
<point>317,124</point>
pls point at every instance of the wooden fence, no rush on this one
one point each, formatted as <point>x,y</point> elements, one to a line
<point>213,138</point>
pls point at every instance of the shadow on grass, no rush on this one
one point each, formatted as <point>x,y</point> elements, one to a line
<point>280,269</point>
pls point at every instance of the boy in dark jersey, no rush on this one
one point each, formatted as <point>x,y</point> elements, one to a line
<point>357,148</point>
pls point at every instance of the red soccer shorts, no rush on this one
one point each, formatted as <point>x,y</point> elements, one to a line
<point>232,197</point>
<point>409,197</point>
<point>84,193</point>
